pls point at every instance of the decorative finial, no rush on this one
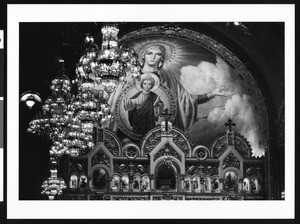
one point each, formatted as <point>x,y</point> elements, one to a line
<point>229,123</point>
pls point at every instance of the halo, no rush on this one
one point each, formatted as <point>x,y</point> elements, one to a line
<point>170,49</point>
<point>156,85</point>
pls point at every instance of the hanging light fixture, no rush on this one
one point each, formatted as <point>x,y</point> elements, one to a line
<point>52,123</point>
<point>108,65</point>
<point>69,119</point>
<point>53,185</point>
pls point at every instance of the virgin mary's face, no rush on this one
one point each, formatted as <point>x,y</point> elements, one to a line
<point>153,56</point>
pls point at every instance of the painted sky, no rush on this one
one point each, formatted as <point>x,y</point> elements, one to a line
<point>208,76</point>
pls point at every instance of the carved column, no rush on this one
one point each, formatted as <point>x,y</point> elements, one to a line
<point>181,182</point>
<point>221,181</point>
<point>90,184</point>
<point>201,184</point>
<point>201,172</point>
<point>240,185</point>
<point>152,188</point>
<point>131,174</point>
<point>260,180</point>
<point>110,183</point>
<point>130,185</point>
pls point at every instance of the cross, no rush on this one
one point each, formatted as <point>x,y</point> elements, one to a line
<point>166,116</point>
<point>229,123</point>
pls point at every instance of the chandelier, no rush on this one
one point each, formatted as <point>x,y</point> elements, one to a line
<point>53,185</point>
<point>104,68</point>
<point>69,117</point>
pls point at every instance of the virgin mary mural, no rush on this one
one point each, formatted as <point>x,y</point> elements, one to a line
<point>153,57</point>
<point>207,90</point>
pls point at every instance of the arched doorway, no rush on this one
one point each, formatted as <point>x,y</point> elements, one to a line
<point>166,178</point>
<point>100,180</point>
<point>231,181</point>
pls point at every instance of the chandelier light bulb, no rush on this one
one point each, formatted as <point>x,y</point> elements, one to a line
<point>30,103</point>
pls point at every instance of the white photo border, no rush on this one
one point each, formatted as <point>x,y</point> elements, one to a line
<point>21,209</point>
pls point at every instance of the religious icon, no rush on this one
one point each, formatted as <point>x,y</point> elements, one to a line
<point>136,183</point>
<point>215,184</point>
<point>254,185</point>
<point>196,183</point>
<point>99,179</point>
<point>230,181</point>
<point>206,184</point>
<point>141,104</point>
<point>73,181</point>
<point>207,90</point>
<point>124,183</point>
<point>145,183</point>
<point>83,181</point>
<point>187,184</point>
<point>159,57</point>
<point>115,182</point>
<point>246,184</point>
<point>145,106</point>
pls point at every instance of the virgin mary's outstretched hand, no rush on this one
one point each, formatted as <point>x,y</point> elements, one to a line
<point>220,92</point>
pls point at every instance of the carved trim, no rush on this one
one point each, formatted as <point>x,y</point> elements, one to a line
<point>130,146</point>
<point>166,150</point>
<point>112,143</point>
<point>201,152</point>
